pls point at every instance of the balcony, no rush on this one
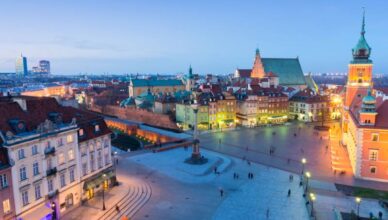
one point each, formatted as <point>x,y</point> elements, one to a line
<point>49,151</point>
<point>51,171</point>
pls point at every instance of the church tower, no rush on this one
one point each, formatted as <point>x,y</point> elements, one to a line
<point>258,69</point>
<point>360,71</point>
<point>190,80</point>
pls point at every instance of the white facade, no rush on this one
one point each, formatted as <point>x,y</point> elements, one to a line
<point>45,171</point>
<point>308,112</point>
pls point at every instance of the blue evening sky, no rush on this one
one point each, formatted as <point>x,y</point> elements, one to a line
<point>166,36</point>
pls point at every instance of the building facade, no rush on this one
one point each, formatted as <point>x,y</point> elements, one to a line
<point>364,122</point>
<point>46,145</point>
<point>7,204</point>
<point>139,86</point>
<point>21,68</point>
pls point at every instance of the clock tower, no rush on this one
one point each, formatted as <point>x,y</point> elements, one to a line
<point>360,71</point>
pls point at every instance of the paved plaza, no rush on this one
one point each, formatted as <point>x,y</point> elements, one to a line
<point>255,144</point>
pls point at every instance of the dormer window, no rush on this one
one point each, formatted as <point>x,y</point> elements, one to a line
<point>97,128</point>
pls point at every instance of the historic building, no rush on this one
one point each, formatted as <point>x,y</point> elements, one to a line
<point>365,121</point>
<point>139,86</point>
<point>46,146</point>
<point>308,106</point>
<point>7,204</point>
<point>288,70</point>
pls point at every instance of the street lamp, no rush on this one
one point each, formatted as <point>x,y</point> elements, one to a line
<point>308,175</point>
<point>358,201</point>
<point>103,192</point>
<point>303,163</point>
<point>312,198</point>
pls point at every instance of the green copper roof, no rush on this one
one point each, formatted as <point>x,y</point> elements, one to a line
<point>288,70</point>
<point>155,82</point>
<point>190,75</point>
<point>369,99</point>
<point>362,50</point>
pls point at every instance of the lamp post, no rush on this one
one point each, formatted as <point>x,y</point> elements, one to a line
<point>103,192</point>
<point>308,175</point>
<point>312,198</point>
<point>303,161</point>
<point>358,201</point>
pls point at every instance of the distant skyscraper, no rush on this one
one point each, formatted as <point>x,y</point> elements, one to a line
<point>44,66</point>
<point>21,66</point>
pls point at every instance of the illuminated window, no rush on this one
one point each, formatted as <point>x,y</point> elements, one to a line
<point>375,137</point>
<point>96,128</point>
<point>71,154</point>
<point>81,132</point>
<point>61,158</point>
<point>373,154</point>
<point>6,206</point>
<point>372,169</point>
<point>69,138</point>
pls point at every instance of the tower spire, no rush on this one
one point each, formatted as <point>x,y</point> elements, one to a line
<point>363,21</point>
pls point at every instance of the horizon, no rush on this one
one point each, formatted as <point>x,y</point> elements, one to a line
<point>216,37</point>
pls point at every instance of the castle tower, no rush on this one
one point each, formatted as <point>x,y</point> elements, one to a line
<point>368,110</point>
<point>258,69</point>
<point>360,70</point>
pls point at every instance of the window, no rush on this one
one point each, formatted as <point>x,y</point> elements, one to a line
<point>106,143</point>
<point>375,137</point>
<point>50,185</point>
<point>25,198</point>
<point>34,150</point>
<point>6,206</point>
<point>84,169</point>
<point>60,142</point>
<point>37,192</point>
<point>81,132</point>
<point>99,159</point>
<point>63,180</point>
<point>372,169</point>
<point>69,138</point>
<point>23,173</point>
<point>35,168</point>
<point>91,147</point>
<point>71,154</point>
<point>3,181</point>
<point>106,159</point>
<point>61,158</point>
<point>96,128</point>
<point>373,154</point>
<point>83,151</point>
<point>72,178</point>
<point>21,154</point>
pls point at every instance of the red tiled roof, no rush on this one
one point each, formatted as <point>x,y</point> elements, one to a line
<point>244,73</point>
<point>382,116</point>
<point>38,110</point>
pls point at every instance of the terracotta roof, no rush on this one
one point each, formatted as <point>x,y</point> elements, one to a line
<point>244,73</point>
<point>38,110</point>
<point>382,117</point>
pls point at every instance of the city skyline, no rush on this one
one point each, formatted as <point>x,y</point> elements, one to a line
<point>215,38</point>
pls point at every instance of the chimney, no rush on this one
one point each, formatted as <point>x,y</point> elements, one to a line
<point>22,102</point>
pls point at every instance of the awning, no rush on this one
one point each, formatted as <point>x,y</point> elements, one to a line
<point>94,182</point>
<point>228,121</point>
<point>40,212</point>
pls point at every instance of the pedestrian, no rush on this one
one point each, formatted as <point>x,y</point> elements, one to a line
<point>221,192</point>
<point>251,175</point>
<point>117,160</point>
<point>291,177</point>
<point>289,193</point>
<point>234,175</point>
<point>267,214</point>
<point>249,162</point>
<point>380,215</point>
<point>300,183</point>
<point>237,176</point>
<point>215,170</point>
<point>117,208</point>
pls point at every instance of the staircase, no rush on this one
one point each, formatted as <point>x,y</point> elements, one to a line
<point>136,197</point>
